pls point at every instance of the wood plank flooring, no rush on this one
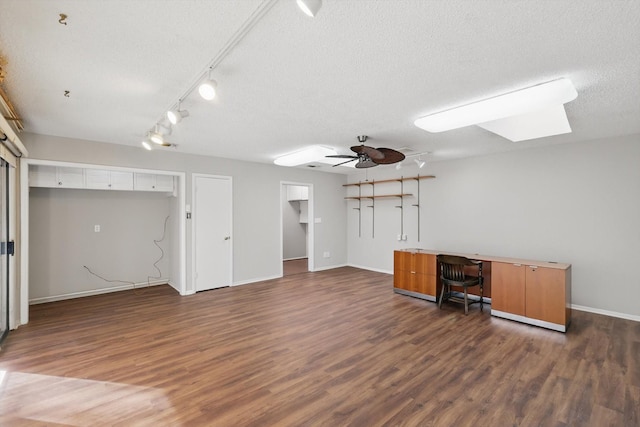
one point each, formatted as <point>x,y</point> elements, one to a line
<point>295,266</point>
<point>332,348</point>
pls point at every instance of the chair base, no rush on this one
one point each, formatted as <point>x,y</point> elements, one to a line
<point>460,297</point>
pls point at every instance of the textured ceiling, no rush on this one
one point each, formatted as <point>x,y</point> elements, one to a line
<point>359,67</point>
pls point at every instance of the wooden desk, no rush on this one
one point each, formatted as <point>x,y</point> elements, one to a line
<point>533,292</point>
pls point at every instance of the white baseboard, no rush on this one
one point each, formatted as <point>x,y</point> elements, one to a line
<point>100,291</point>
<point>259,279</point>
<point>377,270</point>
<point>606,312</point>
<point>329,267</point>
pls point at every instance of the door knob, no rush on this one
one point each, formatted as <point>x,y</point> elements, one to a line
<point>227,238</point>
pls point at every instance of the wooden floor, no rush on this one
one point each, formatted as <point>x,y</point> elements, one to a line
<point>332,348</point>
<point>295,266</point>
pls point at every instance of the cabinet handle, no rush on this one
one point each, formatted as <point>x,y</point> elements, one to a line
<point>518,265</point>
<point>533,267</point>
<point>413,272</point>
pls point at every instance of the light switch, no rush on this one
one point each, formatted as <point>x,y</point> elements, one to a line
<point>96,228</point>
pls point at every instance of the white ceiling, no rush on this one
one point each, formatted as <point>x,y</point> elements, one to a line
<point>359,67</point>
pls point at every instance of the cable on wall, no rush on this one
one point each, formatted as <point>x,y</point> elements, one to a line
<point>155,264</point>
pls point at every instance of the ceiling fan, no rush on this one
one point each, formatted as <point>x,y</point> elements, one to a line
<point>369,157</point>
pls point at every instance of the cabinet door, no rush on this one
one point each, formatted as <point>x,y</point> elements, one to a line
<point>304,212</point>
<point>425,284</point>
<point>401,279</point>
<point>144,182</point>
<point>43,176</point>
<point>545,294</point>
<point>121,180</point>
<point>508,287</point>
<point>71,177</point>
<point>97,179</point>
<point>164,183</point>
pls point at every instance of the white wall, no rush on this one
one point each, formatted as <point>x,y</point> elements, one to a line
<point>256,199</point>
<point>63,240</point>
<point>576,203</point>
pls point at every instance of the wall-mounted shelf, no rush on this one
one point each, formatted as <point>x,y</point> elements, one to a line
<point>373,196</point>
<point>382,196</point>
<point>418,177</point>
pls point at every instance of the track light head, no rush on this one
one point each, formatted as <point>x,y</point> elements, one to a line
<point>146,145</point>
<point>399,166</point>
<point>176,115</point>
<point>156,137</point>
<point>420,163</point>
<point>207,89</point>
<point>309,7</point>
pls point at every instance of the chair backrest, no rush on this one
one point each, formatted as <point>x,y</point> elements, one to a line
<point>452,267</point>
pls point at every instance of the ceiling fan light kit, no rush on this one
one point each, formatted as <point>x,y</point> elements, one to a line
<point>525,103</point>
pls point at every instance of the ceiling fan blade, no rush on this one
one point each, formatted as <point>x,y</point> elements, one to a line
<point>389,156</point>
<point>350,160</point>
<point>368,163</point>
<point>369,151</point>
<point>342,156</point>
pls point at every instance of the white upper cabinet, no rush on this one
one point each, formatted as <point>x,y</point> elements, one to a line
<point>102,179</point>
<point>52,176</point>
<point>297,192</point>
<point>98,179</point>
<point>152,182</point>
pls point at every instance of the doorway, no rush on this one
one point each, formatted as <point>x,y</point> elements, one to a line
<point>296,201</point>
<point>211,231</point>
<point>6,248</point>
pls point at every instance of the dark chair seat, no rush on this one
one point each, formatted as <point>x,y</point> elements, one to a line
<point>452,273</point>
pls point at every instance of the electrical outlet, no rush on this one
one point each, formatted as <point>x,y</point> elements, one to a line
<point>399,237</point>
<point>327,254</point>
<point>96,228</point>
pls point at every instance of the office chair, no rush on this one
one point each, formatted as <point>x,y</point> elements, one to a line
<point>452,273</point>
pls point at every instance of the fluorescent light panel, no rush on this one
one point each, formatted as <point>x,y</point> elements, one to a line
<point>539,124</point>
<point>307,155</point>
<point>310,7</point>
<point>535,98</point>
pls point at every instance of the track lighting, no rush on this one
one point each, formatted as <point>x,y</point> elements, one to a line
<point>207,89</point>
<point>420,162</point>
<point>310,7</point>
<point>399,166</point>
<point>156,137</point>
<point>176,115</point>
<point>159,132</point>
<point>146,145</point>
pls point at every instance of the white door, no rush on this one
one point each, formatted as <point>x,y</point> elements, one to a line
<point>212,204</point>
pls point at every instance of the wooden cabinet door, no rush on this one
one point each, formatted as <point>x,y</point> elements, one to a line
<point>425,284</point>
<point>545,294</point>
<point>508,288</point>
